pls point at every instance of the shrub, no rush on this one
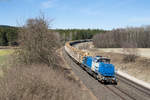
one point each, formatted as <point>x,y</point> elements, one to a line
<point>130,52</point>
<point>38,43</point>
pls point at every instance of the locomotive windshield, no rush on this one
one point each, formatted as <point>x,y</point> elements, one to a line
<point>104,60</point>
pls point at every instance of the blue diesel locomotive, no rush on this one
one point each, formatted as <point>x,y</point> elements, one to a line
<point>100,68</point>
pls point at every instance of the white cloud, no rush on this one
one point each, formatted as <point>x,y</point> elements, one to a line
<point>48,4</point>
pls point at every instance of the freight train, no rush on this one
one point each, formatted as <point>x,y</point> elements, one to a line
<point>99,67</point>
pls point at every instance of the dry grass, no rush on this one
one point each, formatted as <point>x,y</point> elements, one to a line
<point>37,82</point>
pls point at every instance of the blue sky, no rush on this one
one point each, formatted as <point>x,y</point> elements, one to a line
<point>102,14</point>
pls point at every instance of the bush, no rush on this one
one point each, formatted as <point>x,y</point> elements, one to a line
<point>38,43</point>
<point>129,58</point>
<point>130,52</point>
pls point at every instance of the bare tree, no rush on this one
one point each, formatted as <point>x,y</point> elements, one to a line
<point>38,43</point>
<point>116,38</point>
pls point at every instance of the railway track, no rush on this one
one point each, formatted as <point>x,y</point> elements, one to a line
<point>125,90</point>
<point>117,94</point>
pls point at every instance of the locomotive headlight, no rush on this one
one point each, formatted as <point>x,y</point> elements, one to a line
<point>114,78</point>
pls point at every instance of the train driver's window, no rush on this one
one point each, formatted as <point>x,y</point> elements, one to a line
<point>106,61</point>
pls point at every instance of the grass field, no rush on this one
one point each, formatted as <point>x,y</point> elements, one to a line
<point>6,51</point>
<point>4,56</point>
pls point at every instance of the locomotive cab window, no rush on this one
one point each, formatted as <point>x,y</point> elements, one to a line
<point>107,61</point>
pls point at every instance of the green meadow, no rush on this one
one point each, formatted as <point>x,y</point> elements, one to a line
<point>5,54</point>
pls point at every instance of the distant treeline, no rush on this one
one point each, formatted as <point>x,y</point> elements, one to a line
<point>8,35</point>
<point>128,38</point>
<point>78,34</point>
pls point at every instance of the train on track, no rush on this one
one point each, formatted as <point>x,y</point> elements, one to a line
<point>99,67</point>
